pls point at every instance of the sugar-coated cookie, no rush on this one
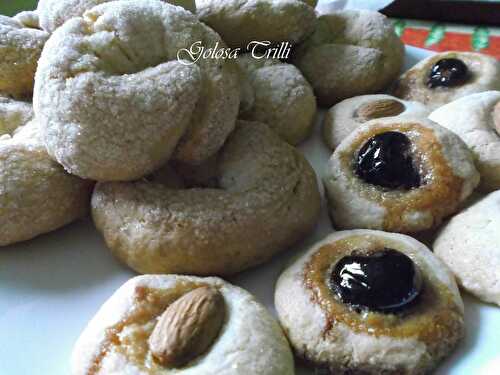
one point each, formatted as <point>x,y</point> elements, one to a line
<point>370,302</point>
<point>266,198</point>
<point>476,119</point>
<point>468,244</point>
<point>400,174</point>
<point>20,47</point>
<point>352,52</point>
<point>444,77</point>
<point>115,103</point>
<point>240,22</point>
<point>161,325</point>
<point>54,13</point>
<point>13,114</point>
<point>280,97</point>
<point>36,195</point>
<point>344,117</point>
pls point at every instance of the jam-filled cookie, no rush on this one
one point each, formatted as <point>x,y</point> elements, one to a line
<point>468,244</point>
<point>343,118</point>
<point>370,302</point>
<point>352,52</point>
<point>444,77</point>
<point>158,325</point>
<point>399,174</point>
<point>476,119</point>
<point>279,96</point>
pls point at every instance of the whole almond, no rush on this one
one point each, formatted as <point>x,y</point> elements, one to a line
<point>188,327</point>
<point>496,117</point>
<point>379,108</point>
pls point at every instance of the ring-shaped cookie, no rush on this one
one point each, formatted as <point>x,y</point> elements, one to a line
<point>240,22</point>
<point>476,119</point>
<point>351,52</point>
<point>20,48</point>
<point>117,340</point>
<point>400,174</point>
<point>113,100</point>
<point>13,114</point>
<point>267,199</point>
<point>329,333</point>
<point>280,97</point>
<point>54,13</point>
<point>37,196</point>
<point>344,117</point>
<point>472,73</point>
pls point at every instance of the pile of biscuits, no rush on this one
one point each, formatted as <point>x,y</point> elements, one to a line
<point>188,166</point>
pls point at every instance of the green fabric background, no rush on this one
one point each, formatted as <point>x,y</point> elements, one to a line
<point>11,7</point>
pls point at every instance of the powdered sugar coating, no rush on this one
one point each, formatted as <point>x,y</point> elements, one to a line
<point>342,118</point>
<point>36,195</point>
<point>352,52</point>
<point>354,203</point>
<point>13,114</point>
<point>113,101</point>
<point>250,341</point>
<point>53,13</point>
<point>468,244</point>
<point>483,70</point>
<point>240,22</point>
<point>20,48</point>
<point>267,199</point>
<point>471,118</point>
<point>282,98</point>
<point>337,346</point>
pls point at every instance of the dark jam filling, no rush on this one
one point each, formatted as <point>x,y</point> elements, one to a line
<point>386,281</point>
<point>385,160</point>
<point>448,73</point>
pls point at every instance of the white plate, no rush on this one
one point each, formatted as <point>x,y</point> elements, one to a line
<point>51,286</point>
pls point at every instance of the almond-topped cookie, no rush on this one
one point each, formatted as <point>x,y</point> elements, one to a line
<point>344,117</point>
<point>444,77</point>
<point>400,174</point>
<point>365,301</point>
<point>183,325</point>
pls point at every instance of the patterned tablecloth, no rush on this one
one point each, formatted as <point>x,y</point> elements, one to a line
<point>445,37</point>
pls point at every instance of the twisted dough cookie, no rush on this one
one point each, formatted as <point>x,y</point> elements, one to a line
<point>331,333</point>
<point>179,314</point>
<point>444,77</point>
<point>13,114</point>
<point>344,117</point>
<point>352,52</point>
<point>240,22</point>
<point>21,44</point>
<point>53,13</point>
<point>399,174</point>
<point>279,96</point>
<point>113,101</point>
<point>476,119</point>
<point>267,200</point>
<point>36,195</point>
